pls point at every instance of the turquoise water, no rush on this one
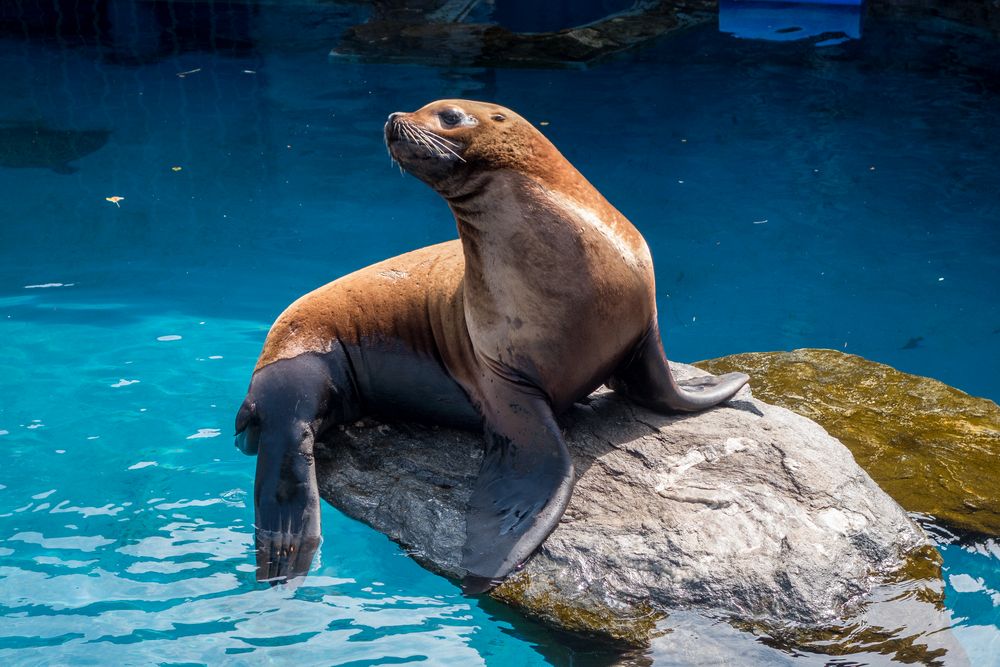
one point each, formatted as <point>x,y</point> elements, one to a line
<point>792,197</point>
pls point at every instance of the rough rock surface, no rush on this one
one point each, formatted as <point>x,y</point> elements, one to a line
<point>748,508</point>
<point>933,448</point>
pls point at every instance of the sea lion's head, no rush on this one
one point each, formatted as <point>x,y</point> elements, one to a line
<point>448,141</point>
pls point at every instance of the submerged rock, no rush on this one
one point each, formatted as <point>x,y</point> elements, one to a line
<point>933,448</point>
<point>434,33</point>
<point>747,509</point>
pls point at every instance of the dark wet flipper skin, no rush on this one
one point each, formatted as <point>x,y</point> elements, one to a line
<point>524,485</point>
<point>286,500</point>
<point>646,379</point>
<point>278,423</point>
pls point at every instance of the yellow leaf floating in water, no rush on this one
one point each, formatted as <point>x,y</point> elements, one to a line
<point>176,168</point>
<point>114,200</point>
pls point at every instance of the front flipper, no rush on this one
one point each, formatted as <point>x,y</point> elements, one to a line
<point>647,380</point>
<point>286,503</point>
<point>278,423</point>
<point>524,484</point>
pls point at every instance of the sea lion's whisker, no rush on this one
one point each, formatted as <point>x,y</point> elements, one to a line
<point>453,144</point>
<point>421,138</point>
<point>438,143</point>
<point>427,139</point>
<point>405,130</point>
<point>413,138</point>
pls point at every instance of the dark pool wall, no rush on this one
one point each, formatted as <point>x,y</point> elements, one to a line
<point>138,31</point>
<point>981,13</point>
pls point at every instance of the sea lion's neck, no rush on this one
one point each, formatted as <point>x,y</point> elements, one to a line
<point>502,212</point>
<point>472,198</point>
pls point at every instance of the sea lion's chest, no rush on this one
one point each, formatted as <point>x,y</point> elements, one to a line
<point>562,296</point>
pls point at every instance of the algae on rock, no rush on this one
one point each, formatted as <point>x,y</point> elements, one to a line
<point>933,448</point>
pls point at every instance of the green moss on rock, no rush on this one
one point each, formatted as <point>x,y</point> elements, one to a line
<point>933,448</point>
<point>634,625</point>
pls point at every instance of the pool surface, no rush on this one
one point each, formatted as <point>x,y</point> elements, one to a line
<point>156,215</point>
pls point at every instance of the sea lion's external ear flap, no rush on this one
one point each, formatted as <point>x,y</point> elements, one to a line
<point>247,435</point>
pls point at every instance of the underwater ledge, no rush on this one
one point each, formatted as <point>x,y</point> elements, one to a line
<point>749,511</point>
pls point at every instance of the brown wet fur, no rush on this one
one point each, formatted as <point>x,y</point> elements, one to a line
<point>415,298</point>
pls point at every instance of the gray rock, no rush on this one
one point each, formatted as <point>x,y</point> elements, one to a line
<point>747,509</point>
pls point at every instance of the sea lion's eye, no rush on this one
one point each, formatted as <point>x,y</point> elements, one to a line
<point>498,117</point>
<point>450,117</point>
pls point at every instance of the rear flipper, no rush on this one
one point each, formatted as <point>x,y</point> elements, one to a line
<point>646,379</point>
<point>524,484</point>
<point>278,421</point>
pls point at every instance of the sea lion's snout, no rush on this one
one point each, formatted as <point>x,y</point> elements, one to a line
<point>424,142</point>
<point>391,131</point>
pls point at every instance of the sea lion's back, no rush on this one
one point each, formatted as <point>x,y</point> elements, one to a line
<point>397,298</point>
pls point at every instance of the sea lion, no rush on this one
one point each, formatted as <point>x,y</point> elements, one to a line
<point>547,294</point>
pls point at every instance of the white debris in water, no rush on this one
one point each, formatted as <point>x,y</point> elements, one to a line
<point>168,338</point>
<point>93,437</point>
<point>215,356</point>
<point>940,279</point>
<point>45,285</point>
<point>4,432</point>
<point>142,464</point>
<point>760,222</point>
<point>205,433</point>
<point>36,425</point>
<point>60,451</point>
<point>122,382</point>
